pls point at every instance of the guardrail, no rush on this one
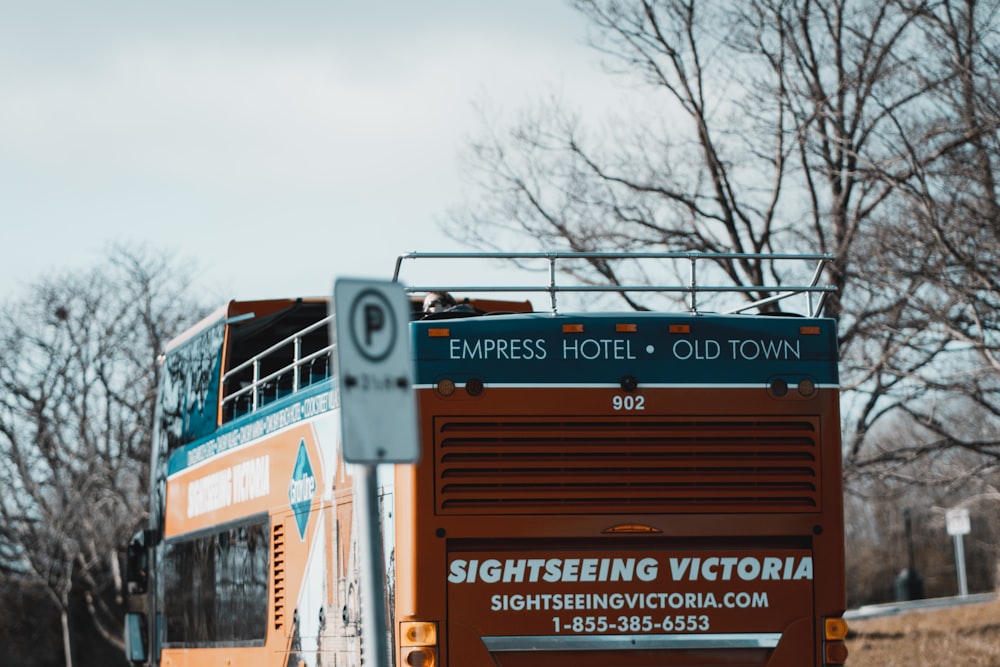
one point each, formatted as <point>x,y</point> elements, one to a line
<point>892,608</point>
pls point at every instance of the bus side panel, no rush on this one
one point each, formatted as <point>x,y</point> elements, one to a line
<point>296,478</point>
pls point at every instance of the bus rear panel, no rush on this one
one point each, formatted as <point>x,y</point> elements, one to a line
<point>624,489</point>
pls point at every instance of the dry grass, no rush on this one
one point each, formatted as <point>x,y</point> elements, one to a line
<point>967,635</point>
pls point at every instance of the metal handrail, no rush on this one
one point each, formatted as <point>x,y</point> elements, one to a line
<point>298,363</point>
<point>692,288</point>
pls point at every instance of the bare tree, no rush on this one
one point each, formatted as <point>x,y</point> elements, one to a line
<point>948,246</point>
<point>768,126</point>
<point>77,380</point>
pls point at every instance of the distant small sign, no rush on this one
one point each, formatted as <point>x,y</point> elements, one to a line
<point>957,521</point>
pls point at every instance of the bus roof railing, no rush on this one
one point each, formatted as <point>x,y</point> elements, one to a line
<point>815,293</point>
<point>299,364</point>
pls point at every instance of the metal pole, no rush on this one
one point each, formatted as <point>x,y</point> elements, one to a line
<point>373,591</point>
<point>963,586</point>
<point>694,286</point>
<point>552,283</point>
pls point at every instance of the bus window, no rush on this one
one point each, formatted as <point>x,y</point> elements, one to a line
<point>215,586</point>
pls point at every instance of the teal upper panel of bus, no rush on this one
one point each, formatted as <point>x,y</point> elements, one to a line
<point>655,349</point>
<point>189,388</point>
<point>315,400</point>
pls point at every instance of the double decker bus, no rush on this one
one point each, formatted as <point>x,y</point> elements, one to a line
<point>628,488</point>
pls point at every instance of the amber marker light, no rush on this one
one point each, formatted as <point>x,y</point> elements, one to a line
<point>572,328</point>
<point>439,332</point>
<point>418,642</point>
<point>418,633</point>
<point>625,328</point>
<point>809,331</point>
<point>680,328</point>
<point>631,528</point>
<point>835,629</point>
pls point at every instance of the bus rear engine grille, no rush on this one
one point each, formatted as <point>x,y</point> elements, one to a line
<point>628,466</point>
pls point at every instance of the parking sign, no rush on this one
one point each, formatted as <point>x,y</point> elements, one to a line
<point>375,372</point>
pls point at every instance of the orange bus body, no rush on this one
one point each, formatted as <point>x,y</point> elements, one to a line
<point>629,489</point>
<point>659,509</point>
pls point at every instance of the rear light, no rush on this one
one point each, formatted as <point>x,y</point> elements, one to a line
<point>473,387</point>
<point>835,629</point>
<point>631,528</point>
<point>420,656</point>
<point>835,653</point>
<point>418,633</point>
<point>418,643</point>
<point>834,634</point>
<point>795,388</point>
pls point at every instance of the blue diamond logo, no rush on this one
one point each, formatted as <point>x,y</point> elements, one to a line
<point>302,489</point>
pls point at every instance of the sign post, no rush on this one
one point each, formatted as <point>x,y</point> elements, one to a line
<point>377,419</point>
<point>958,525</point>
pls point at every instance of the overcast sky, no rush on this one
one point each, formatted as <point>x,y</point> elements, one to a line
<point>279,145</point>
